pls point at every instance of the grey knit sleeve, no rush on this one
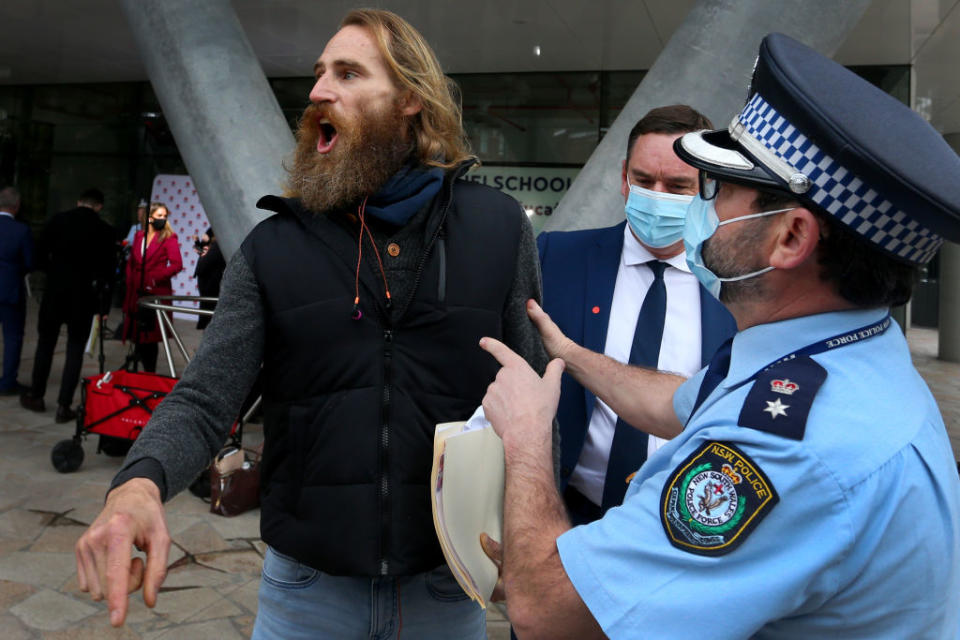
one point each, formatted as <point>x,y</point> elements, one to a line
<point>193,421</point>
<point>519,333</point>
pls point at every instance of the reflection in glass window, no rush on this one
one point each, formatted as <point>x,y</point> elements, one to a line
<point>541,118</point>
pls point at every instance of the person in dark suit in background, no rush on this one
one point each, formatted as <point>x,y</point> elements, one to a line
<point>16,260</point>
<point>209,272</point>
<point>78,252</point>
<point>626,291</point>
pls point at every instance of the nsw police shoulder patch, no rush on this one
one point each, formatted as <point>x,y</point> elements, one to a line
<point>714,499</point>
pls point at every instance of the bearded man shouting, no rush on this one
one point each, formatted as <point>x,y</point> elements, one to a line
<point>363,300</point>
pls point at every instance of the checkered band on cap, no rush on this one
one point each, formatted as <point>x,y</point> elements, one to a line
<point>837,190</point>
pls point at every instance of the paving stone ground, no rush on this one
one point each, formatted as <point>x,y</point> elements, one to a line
<point>214,565</point>
<point>211,588</point>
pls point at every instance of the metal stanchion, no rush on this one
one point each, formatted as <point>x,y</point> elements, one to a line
<point>159,304</point>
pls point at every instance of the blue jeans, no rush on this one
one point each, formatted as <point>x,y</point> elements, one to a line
<point>297,601</point>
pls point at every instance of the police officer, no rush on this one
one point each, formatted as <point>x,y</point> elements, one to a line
<point>810,490</point>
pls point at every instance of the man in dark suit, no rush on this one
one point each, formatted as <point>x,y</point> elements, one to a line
<point>78,253</point>
<point>16,259</point>
<point>626,291</point>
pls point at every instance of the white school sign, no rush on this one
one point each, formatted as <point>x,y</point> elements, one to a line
<point>537,189</point>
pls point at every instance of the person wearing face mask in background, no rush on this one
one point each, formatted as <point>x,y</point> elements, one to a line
<point>626,291</point>
<point>149,276</point>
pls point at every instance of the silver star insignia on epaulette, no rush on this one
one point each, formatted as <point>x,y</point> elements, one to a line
<point>776,408</point>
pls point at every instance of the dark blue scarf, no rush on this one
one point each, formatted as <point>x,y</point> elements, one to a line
<point>405,193</point>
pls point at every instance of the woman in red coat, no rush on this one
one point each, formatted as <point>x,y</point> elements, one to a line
<point>150,277</point>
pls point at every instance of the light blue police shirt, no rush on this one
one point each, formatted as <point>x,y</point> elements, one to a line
<point>864,541</point>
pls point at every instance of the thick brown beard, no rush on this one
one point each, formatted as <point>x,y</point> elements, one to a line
<point>368,151</point>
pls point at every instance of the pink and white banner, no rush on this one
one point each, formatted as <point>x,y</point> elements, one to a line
<point>189,222</point>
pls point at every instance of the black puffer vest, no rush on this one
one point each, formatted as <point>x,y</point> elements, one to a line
<point>350,405</point>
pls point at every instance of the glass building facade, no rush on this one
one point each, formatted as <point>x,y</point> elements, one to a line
<point>532,132</point>
<point>56,140</point>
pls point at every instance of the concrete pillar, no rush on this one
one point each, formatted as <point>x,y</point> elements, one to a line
<point>226,122</point>
<point>707,64</point>
<point>949,316</point>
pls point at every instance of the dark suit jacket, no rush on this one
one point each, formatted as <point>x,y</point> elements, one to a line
<point>579,275</point>
<point>16,259</point>
<point>77,250</point>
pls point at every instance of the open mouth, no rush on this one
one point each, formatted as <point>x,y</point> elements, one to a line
<point>326,136</point>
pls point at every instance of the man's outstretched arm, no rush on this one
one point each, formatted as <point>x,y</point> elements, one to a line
<point>640,396</point>
<point>186,429</point>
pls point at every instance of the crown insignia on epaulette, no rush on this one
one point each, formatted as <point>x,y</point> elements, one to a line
<point>785,386</point>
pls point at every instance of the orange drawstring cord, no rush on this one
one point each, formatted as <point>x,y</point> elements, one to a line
<point>357,313</point>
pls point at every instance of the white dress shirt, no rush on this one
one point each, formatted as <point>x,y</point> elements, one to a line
<point>679,348</point>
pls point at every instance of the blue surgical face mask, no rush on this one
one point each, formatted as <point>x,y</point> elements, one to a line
<point>702,223</point>
<point>656,218</point>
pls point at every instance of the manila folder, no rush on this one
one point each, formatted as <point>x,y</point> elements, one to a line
<point>472,497</point>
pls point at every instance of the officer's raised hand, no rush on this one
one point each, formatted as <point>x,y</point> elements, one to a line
<point>519,404</point>
<point>554,341</point>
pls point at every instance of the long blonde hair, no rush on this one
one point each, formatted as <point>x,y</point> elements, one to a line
<point>438,127</point>
<point>167,230</point>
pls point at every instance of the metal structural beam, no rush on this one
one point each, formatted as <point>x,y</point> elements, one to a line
<point>707,64</point>
<point>227,124</point>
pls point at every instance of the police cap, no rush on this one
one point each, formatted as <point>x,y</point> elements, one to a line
<point>816,129</point>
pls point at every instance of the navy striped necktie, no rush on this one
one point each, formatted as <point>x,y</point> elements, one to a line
<point>629,449</point>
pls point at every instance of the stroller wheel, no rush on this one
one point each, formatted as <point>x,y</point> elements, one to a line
<point>67,456</point>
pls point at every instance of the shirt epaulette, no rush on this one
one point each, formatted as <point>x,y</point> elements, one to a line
<point>781,397</point>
